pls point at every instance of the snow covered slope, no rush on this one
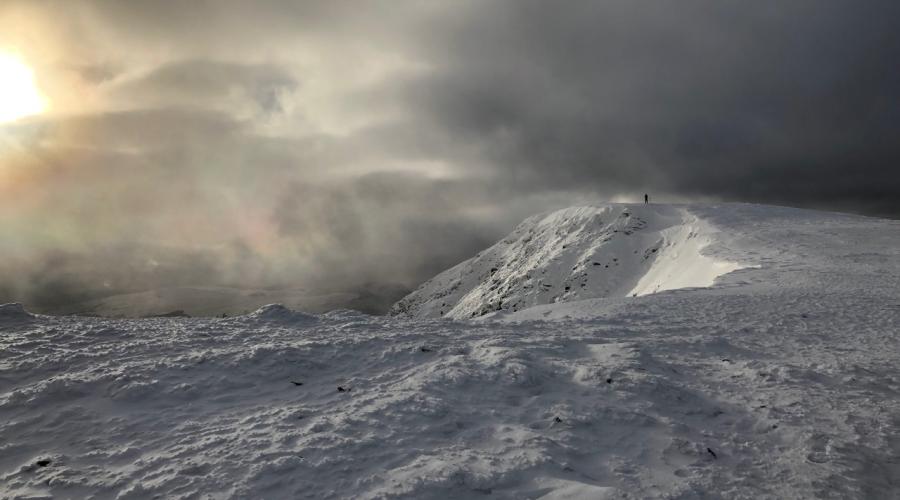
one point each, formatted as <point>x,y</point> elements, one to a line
<point>780,381</point>
<point>214,301</point>
<point>572,254</point>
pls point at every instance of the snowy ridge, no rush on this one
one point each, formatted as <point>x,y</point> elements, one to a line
<point>617,250</point>
<point>211,301</point>
<point>778,382</point>
<point>281,314</point>
<point>14,313</point>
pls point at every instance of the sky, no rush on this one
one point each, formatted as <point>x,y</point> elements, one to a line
<point>344,145</point>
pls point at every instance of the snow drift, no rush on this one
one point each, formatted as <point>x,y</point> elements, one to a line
<point>572,254</point>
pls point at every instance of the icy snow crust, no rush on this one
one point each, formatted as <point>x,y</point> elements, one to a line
<point>780,381</point>
<point>573,254</point>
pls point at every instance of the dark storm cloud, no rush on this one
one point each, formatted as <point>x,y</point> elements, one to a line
<point>629,94</point>
<point>795,103</point>
<point>341,145</point>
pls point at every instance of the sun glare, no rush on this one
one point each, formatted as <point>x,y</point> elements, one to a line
<point>19,96</point>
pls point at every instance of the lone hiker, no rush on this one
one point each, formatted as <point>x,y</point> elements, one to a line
<point>646,198</point>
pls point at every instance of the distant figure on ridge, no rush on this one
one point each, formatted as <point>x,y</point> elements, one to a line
<point>646,198</point>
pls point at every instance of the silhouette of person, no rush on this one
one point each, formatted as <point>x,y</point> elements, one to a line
<point>646,198</point>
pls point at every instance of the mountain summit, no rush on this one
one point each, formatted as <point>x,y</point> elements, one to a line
<point>615,250</point>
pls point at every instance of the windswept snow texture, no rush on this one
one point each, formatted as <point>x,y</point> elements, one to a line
<point>781,381</point>
<point>572,254</point>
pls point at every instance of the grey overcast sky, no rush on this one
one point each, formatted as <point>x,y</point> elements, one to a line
<point>342,144</point>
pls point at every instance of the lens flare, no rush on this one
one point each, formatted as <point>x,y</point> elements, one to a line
<point>19,96</point>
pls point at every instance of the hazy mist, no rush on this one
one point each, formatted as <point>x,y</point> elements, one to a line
<point>352,146</point>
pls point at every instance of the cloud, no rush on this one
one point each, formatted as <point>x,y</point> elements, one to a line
<point>238,89</point>
<point>127,201</point>
<point>732,100</point>
<point>343,144</point>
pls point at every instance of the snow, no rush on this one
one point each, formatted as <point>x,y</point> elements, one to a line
<point>681,263</point>
<point>777,379</point>
<point>576,253</point>
<point>14,312</point>
<point>215,301</point>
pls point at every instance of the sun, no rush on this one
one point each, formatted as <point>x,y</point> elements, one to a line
<point>19,96</point>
